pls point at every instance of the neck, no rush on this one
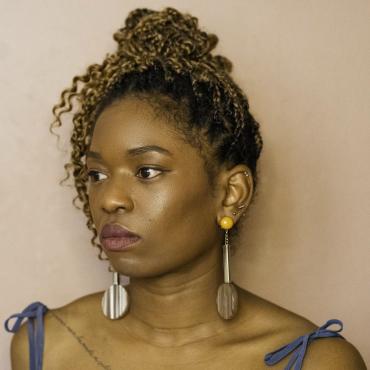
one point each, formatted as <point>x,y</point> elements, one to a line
<point>180,306</point>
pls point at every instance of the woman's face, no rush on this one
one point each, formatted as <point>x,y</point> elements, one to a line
<point>164,197</point>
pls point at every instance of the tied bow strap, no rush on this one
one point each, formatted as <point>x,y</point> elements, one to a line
<point>34,312</point>
<point>299,346</point>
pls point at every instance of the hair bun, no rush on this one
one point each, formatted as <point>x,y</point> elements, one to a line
<point>167,33</point>
<point>223,63</point>
<point>135,16</point>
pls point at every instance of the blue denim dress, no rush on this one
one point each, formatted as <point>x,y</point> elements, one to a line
<point>35,314</point>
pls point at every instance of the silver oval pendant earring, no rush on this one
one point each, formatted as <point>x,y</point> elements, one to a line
<point>115,301</point>
<point>227,295</point>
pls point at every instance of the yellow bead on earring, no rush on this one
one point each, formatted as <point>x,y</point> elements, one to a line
<point>226,222</point>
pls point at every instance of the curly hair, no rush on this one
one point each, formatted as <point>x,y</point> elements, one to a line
<point>164,58</point>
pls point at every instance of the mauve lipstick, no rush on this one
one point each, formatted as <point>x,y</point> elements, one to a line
<point>116,238</point>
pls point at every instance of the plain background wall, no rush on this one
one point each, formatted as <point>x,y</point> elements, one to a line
<point>303,65</point>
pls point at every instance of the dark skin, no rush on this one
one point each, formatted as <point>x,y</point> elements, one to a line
<point>175,269</point>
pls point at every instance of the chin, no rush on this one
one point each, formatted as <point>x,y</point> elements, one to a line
<point>138,269</point>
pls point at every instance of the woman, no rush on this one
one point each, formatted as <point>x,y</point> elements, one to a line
<point>164,159</point>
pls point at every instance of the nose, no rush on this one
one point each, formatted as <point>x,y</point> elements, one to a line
<point>116,199</point>
<point>115,207</point>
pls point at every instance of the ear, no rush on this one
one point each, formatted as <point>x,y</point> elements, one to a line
<point>237,188</point>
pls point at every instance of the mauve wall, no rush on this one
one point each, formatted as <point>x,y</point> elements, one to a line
<point>304,66</point>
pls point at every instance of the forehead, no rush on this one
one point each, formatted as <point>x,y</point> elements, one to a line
<point>131,122</point>
<point>129,114</point>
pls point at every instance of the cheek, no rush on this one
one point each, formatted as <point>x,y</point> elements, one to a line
<point>183,227</point>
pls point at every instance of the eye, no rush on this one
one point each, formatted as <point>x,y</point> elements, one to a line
<point>146,171</point>
<point>94,175</point>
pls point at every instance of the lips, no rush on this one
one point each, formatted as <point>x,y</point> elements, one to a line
<point>116,231</point>
<point>115,237</point>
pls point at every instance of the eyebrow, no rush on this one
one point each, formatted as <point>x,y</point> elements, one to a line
<point>135,151</point>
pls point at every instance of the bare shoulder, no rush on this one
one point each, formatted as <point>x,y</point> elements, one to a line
<point>77,313</point>
<point>57,329</point>
<point>64,327</point>
<point>329,353</point>
<point>272,320</point>
<point>19,349</point>
<point>53,320</point>
<point>278,326</point>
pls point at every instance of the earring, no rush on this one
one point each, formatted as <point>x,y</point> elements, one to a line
<point>115,301</point>
<point>227,295</point>
<point>242,205</point>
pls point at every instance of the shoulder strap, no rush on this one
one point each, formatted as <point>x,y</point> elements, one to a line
<point>299,346</point>
<point>34,313</point>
